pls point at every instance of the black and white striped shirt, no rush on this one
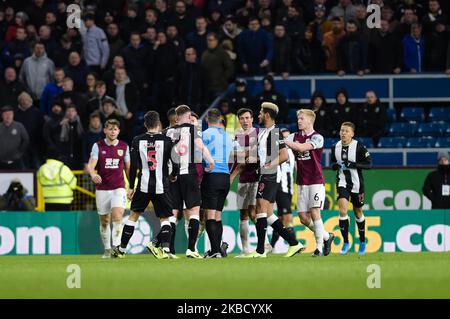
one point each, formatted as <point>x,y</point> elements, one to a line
<point>356,158</point>
<point>150,154</point>
<point>270,142</point>
<point>287,174</point>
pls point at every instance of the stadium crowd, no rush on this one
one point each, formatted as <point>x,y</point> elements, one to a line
<point>60,84</point>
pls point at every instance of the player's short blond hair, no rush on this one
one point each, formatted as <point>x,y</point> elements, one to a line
<point>182,109</point>
<point>307,112</point>
<point>269,106</point>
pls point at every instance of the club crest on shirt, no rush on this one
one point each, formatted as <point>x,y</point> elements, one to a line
<point>120,152</point>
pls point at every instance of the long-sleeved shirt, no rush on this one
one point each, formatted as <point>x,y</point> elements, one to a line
<point>36,73</point>
<point>95,45</point>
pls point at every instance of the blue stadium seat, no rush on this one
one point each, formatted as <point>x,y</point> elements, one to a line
<point>367,141</point>
<point>446,129</point>
<point>292,115</point>
<point>391,114</point>
<point>439,114</point>
<point>421,142</point>
<point>402,129</point>
<point>293,127</point>
<point>430,129</point>
<point>282,126</point>
<point>329,141</point>
<point>392,142</point>
<point>412,114</point>
<point>443,142</point>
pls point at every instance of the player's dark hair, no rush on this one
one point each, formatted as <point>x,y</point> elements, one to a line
<point>112,122</point>
<point>272,113</point>
<point>151,119</point>
<point>214,115</point>
<point>349,124</point>
<point>193,114</point>
<point>244,110</point>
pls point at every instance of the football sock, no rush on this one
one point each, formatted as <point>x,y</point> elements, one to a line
<point>105,234</point>
<point>275,237</point>
<point>361,223</point>
<point>193,227</point>
<point>277,225</point>
<point>344,225</point>
<point>116,232</point>
<point>243,232</point>
<point>165,235</point>
<point>261,228</point>
<point>173,224</point>
<point>219,231</point>
<point>318,226</point>
<point>211,230</point>
<point>127,233</point>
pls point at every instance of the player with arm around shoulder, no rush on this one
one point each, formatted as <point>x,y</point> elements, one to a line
<point>111,157</point>
<point>349,157</point>
<point>307,146</point>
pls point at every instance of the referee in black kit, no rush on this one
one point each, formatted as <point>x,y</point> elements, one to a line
<point>349,157</point>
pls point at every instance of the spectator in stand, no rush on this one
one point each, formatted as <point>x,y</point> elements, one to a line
<point>330,41</point>
<point>95,44</point>
<point>91,81</point>
<point>254,48</point>
<point>20,21</point>
<point>345,10</point>
<point>184,23</point>
<point>413,50</point>
<point>436,43</point>
<point>295,26</point>
<point>51,90</point>
<point>115,42</point>
<point>240,98</point>
<point>230,29</point>
<point>108,76</point>
<point>269,94</point>
<point>352,52</point>
<point>321,23</point>
<point>52,130</point>
<point>433,16</point>
<point>319,105</point>
<point>52,22</point>
<point>77,71</point>
<point>92,135</point>
<point>150,21</point>
<point>60,55</point>
<point>217,68</point>
<point>437,184</point>
<point>385,51</point>
<point>14,140</point>
<point>138,59</point>
<point>10,88</point>
<point>388,14</point>
<point>197,38</point>
<point>174,38</point>
<point>37,70</point>
<point>164,13</point>
<point>309,56</point>
<point>189,82</point>
<point>407,20</point>
<point>19,45</point>
<point>131,23</point>
<point>361,20</point>
<point>372,118</point>
<point>342,111</point>
<point>215,22</point>
<point>126,95</point>
<point>96,102</point>
<point>37,11</point>
<point>282,52</point>
<point>110,111</point>
<point>33,121</point>
<point>150,37</point>
<point>46,37</point>
<point>163,86</point>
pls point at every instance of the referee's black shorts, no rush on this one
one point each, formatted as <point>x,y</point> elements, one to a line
<point>162,203</point>
<point>268,187</point>
<point>357,199</point>
<point>215,189</point>
<point>186,189</point>
<point>283,201</point>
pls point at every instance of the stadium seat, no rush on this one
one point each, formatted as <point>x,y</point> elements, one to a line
<point>282,126</point>
<point>446,129</point>
<point>392,142</point>
<point>292,116</point>
<point>412,114</point>
<point>329,141</point>
<point>367,141</point>
<point>443,142</point>
<point>391,114</point>
<point>429,129</point>
<point>421,142</point>
<point>439,114</point>
<point>293,127</point>
<point>402,129</point>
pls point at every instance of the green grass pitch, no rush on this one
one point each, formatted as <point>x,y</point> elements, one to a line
<point>403,275</point>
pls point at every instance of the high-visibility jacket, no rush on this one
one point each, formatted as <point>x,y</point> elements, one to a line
<point>57,181</point>
<point>232,124</point>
